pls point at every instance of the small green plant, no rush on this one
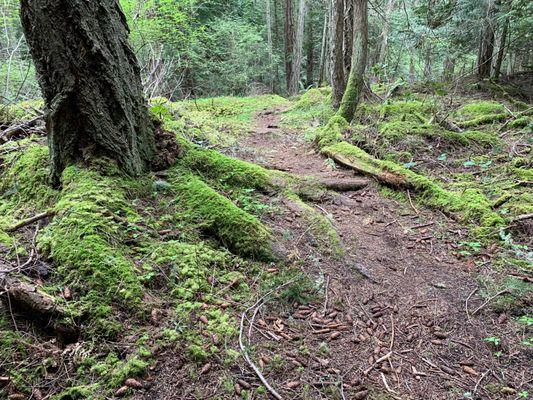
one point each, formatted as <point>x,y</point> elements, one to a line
<point>493,339</point>
<point>526,320</point>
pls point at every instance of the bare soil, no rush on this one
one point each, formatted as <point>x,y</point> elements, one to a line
<point>415,327</point>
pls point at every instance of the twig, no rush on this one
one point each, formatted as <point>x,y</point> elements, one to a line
<point>326,297</point>
<point>381,359</point>
<point>489,300</point>
<point>386,384</point>
<point>30,220</point>
<point>522,217</point>
<point>392,332</point>
<point>411,202</point>
<point>479,381</point>
<point>466,302</point>
<point>243,348</point>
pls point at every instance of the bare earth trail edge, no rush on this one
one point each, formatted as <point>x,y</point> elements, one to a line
<point>416,329</point>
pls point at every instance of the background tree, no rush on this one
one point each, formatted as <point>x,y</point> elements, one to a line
<point>90,82</point>
<point>354,87</point>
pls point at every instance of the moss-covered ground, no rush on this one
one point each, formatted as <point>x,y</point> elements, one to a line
<point>169,260</point>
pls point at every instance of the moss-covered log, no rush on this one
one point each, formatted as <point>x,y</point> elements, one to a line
<point>90,81</point>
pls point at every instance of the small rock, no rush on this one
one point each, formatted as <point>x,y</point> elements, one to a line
<point>121,391</point>
<point>470,370</point>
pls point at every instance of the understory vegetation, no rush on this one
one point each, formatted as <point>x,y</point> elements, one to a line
<point>166,260</point>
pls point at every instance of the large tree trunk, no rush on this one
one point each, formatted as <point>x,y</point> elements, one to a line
<point>90,81</point>
<point>338,81</point>
<point>486,44</point>
<point>289,42</point>
<point>298,50</point>
<point>354,87</point>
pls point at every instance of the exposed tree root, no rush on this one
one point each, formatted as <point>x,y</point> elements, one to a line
<point>29,297</point>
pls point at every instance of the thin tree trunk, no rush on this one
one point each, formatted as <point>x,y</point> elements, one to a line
<point>324,48</point>
<point>428,63</point>
<point>298,50</point>
<point>310,50</point>
<point>354,87</point>
<point>348,36</point>
<point>276,45</point>
<point>448,69</point>
<point>289,42</point>
<point>411,69</point>
<point>91,83</point>
<point>268,18</point>
<point>385,34</point>
<point>338,82</point>
<point>501,50</point>
<point>486,46</point>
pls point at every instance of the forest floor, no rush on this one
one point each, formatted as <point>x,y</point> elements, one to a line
<point>399,316</point>
<point>372,294</point>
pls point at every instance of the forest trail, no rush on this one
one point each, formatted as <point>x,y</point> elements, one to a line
<point>419,315</point>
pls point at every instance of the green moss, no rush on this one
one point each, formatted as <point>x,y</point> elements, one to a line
<point>521,122</point>
<point>483,120</point>
<point>77,392</point>
<point>214,213</point>
<point>471,205</point>
<point>332,132</point>
<point>322,229</point>
<point>227,170</point>
<point>480,108</point>
<point>312,106</point>
<point>22,111</point>
<point>85,240</point>
<point>407,110</point>
<point>131,368</point>
<point>26,181</point>
<point>189,266</point>
<point>482,138</point>
<point>216,121</point>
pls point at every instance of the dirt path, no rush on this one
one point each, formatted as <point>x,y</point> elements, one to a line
<point>413,331</point>
<point>413,317</point>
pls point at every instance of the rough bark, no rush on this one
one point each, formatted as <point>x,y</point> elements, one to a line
<point>486,44</point>
<point>289,41</point>
<point>354,87</point>
<point>338,80</point>
<point>91,84</point>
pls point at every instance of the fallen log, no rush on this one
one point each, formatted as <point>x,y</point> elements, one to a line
<point>19,129</point>
<point>344,184</point>
<point>365,167</point>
